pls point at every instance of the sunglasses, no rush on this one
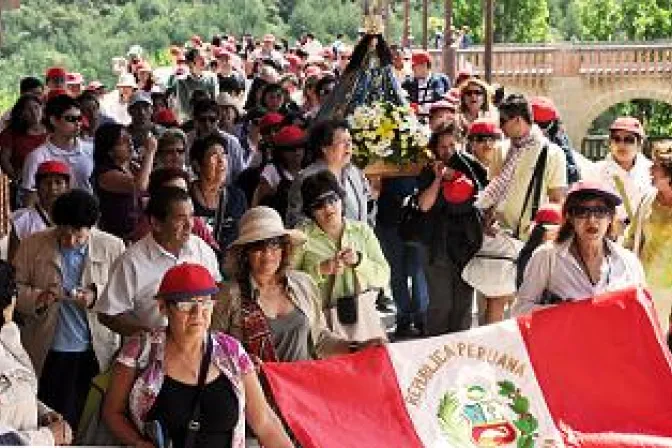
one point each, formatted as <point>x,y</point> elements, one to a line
<point>172,151</point>
<point>585,211</point>
<point>328,199</point>
<point>190,306</point>
<point>628,139</point>
<point>274,243</point>
<point>483,138</point>
<point>72,118</point>
<point>474,93</point>
<point>208,118</point>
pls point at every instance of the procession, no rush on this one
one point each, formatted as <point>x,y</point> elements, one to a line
<point>355,244</point>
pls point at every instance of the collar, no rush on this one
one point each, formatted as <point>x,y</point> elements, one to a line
<point>563,248</point>
<point>641,164</point>
<point>58,151</point>
<point>156,251</point>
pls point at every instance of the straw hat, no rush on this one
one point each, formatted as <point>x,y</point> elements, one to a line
<point>262,223</point>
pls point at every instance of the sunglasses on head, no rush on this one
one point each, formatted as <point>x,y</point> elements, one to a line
<point>628,139</point>
<point>324,200</point>
<point>481,138</point>
<point>72,118</point>
<point>586,211</point>
<point>269,243</point>
<point>191,305</point>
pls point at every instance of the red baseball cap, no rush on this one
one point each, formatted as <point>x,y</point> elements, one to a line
<point>549,214</point>
<point>290,136</point>
<point>185,281</point>
<point>484,126</point>
<point>628,124</point>
<point>459,189</point>
<point>270,119</point>
<point>52,167</point>
<point>421,57</point>
<point>166,117</point>
<point>543,109</point>
<point>55,72</point>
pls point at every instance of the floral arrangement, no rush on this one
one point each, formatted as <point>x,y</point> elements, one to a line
<point>389,133</point>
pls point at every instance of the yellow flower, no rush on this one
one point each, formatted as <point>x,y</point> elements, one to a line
<point>386,129</point>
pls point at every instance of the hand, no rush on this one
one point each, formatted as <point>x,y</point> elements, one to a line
<point>50,418</point>
<point>439,169</point>
<point>257,362</point>
<point>84,297</point>
<point>332,266</point>
<point>61,431</point>
<point>490,225</point>
<point>150,144</point>
<point>348,256</point>
<point>46,298</point>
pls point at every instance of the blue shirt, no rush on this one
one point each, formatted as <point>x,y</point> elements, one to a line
<point>72,329</point>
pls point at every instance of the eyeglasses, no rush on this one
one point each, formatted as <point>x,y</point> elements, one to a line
<point>72,118</point>
<point>474,93</point>
<point>586,211</point>
<point>628,139</point>
<point>483,138</point>
<point>208,118</point>
<point>274,243</point>
<point>191,305</point>
<point>327,199</point>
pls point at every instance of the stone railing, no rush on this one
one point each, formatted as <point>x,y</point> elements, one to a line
<point>568,59</point>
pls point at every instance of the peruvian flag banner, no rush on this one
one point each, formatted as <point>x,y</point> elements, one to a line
<point>593,373</point>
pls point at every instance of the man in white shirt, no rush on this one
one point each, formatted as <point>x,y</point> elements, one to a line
<point>63,118</point>
<point>127,304</point>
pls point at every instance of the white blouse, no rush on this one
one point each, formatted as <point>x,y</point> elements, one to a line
<point>552,267</point>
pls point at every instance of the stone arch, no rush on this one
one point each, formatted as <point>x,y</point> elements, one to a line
<point>656,90</point>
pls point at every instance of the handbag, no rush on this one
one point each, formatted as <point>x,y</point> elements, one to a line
<point>412,219</point>
<point>355,317</point>
<point>91,429</point>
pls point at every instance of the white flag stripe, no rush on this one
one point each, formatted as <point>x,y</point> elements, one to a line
<point>472,389</point>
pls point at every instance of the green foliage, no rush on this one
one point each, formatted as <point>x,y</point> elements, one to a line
<point>656,117</point>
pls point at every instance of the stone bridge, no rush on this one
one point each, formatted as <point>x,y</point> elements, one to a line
<point>583,80</point>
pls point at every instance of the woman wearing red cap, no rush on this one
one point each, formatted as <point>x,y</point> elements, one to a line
<point>184,384</point>
<point>288,158</point>
<point>52,180</point>
<point>452,234</point>
<point>484,140</point>
<point>583,261</point>
<point>625,169</point>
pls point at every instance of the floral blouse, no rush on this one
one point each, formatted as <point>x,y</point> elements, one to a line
<point>147,353</point>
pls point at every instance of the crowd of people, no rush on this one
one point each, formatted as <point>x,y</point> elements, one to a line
<point>177,233</point>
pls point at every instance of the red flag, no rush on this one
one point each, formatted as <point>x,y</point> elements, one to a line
<point>601,370</point>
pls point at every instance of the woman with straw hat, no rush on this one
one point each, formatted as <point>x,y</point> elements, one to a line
<point>273,309</point>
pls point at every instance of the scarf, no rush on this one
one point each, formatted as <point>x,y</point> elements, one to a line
<point>498,187</point>
<point>257,337</point>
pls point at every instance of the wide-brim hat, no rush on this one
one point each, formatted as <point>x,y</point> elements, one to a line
<point>262,223</point>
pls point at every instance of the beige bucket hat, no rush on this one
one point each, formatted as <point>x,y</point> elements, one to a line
<point>262,223</point>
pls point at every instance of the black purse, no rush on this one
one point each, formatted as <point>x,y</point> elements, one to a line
<point>346,310</point>
<point>412,220</point>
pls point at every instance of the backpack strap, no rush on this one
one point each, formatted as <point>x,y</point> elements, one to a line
<point>534,188</point>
